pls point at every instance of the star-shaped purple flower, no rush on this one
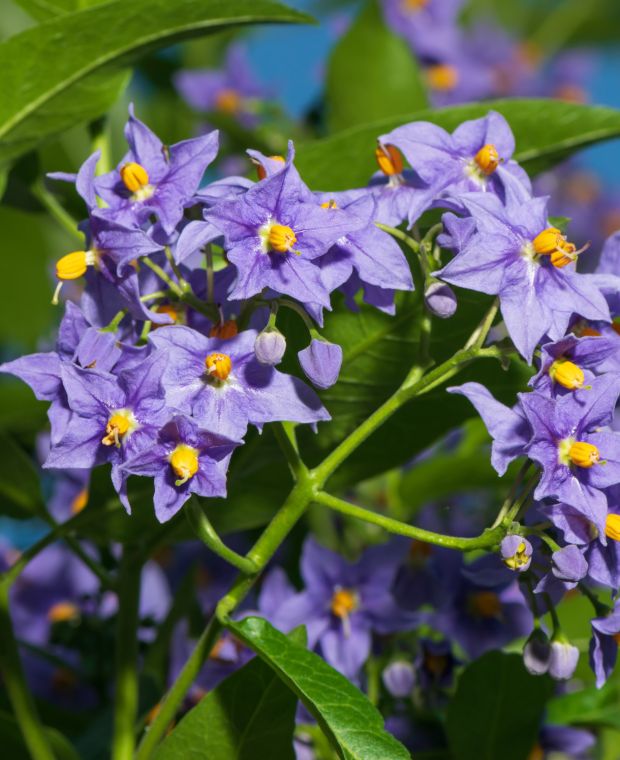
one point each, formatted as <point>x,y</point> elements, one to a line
<point>224,387</point>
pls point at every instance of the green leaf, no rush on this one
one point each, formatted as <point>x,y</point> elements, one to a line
<point>353,725</point>
<point>249,715</point>
<point>546,132</point>
<point>587,707</point>
<point>371,74</point>
<point>43,10</point>
<point>20,495</point>
<point>41,100</point>
<point>497,710</point>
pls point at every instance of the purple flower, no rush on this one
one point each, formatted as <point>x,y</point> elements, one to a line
<point>569,742</point>
<point>604,559</point>
<point>604,645</point>
<point>477,156</point>
<point>399,678</point>
<point>231,90</point>
<point>440,300</point>
<point>185,460</point>
<point>512,251</point>
<point>570,362</point>
<point>224,387</point>
<point>509,428</point>
<point>153,178</point>
<point>321,362</point>
<point>343,604</point>
<point>516,553</point>
<point>429,27</point>
<point>273,237</point>
<point>563,659</point>
<point>577,460</point>
<point>113,418</point>
<point>483,609</point>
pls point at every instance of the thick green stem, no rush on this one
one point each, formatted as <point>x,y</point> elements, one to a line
<point>259,554</point>
<point>56,210</point>
<point>206,533</point>
<point>126,695</point>
<point>486,540</point>
<point>21,700</point>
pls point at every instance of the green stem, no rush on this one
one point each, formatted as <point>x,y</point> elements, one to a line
<point>56,210</point>
<point>262,551</point>
<point>395,232</point>
<point>210,273</point>
<point>414,385</point>
<point>177,272</point>
<point>299,310</point>
<point>187,296</point>
<point>100,140</point>
<point>126,696</point>
<point>172,701</point>
<point>486,540</point>
<point>33,733</point>
<point>479,335</point>
<point>285,436</point>
<point>509,500</point>
<point>206,533</point>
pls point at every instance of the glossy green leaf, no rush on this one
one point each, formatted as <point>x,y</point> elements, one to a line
<point>20,495</point>
<point>249,715</point>
<point>371,74</point>
<point>353,725</point>
<point>41,100</point>
<point>497,710</point>
<point>546,132</point>
<point>43,10</point>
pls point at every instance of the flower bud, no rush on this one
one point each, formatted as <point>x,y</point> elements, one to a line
<point>399,678</point>
<point>321,362</point>
<point>270,346</point>
<point>569,564</point>
<point>440,299</point>
<point>516,553</point>
<point>537,653</point>
<point>563,659</point>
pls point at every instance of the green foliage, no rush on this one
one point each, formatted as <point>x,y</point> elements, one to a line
<point>587,707</point>
<point>13,745</point>
<point>44,10</point>
<point>249,715</point>
<point>497,710</point>
<point>546,132</point>
<point>40,101</point>
<point>20,495</point>
<point>371,74</point>
<point>352,724</point>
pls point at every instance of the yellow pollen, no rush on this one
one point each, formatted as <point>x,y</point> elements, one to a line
<point>584,454</point>
<point>485,604</point>
<point>134,176</point>
<point>228,101</point>
<point>487,159</point>
<point>281,238</point>
<point>414,5</point>
<point>612,527</point>
<point>442,77</point>
<point>224,330</point>
<point>170,310</point>
<point>344,602</point>
<point>117,427</point>
<point>218,365</point>
<point>184,463</point>
<point>518,559</point>
<point>72,266</point>
<point>63,612</point>
<point>390,159</point>
<point>261,172</point>
<point>567,374</point>
<point>548,241</point>
<point>80,501</point>
<point>329,204</point>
